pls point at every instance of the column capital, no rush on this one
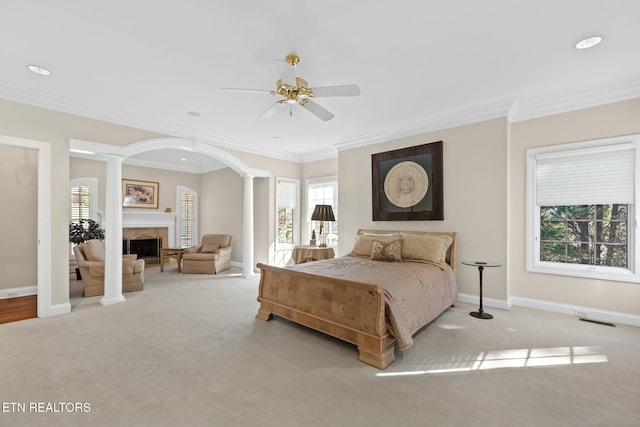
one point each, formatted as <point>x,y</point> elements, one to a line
<point>114,156</point>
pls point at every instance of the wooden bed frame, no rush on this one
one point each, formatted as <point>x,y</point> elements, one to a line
<point>328,305</point>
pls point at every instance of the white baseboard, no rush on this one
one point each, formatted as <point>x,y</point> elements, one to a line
<point>58,309</point>
<point>18,292</point>
<point>579,311</point>
<point>489,302</point>
<point>573,310</point>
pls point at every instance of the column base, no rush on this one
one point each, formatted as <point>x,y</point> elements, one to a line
<point>109,301</point>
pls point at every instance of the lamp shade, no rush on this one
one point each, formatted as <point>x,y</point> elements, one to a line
<point>322,213</point>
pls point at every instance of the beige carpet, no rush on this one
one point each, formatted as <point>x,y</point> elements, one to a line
<point>188,351</point>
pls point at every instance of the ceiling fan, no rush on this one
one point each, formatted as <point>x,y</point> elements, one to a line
<point>296,90</point>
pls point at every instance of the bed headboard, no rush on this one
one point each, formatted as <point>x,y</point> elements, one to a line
<point>451,253</point>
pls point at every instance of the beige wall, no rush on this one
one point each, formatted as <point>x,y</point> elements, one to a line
<point>595,123</point>
<point>475,182</point>
<point>19,217</point>
<point>168,182</point>
<point>221,200</point>
<point>320,168</point>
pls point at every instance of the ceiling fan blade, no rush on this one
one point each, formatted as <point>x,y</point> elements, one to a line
<point>271,111</point>
<point>317,110</point>
<point>344,90</point>
<point>237,89</point>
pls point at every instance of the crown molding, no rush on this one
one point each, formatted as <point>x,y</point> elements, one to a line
<point>63,104</point>
<point>171,166</point>
<point>514,110</point>
<point>320,155</point>
<point>593,98</point>
<point>431,124</point>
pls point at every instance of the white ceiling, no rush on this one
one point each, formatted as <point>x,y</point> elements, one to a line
<point>147,63</point>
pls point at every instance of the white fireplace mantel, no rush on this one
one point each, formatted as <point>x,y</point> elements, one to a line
<point>149,220</point>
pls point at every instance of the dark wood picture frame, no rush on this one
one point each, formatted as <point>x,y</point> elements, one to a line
<point>140,194</point>
<point>430,207</point>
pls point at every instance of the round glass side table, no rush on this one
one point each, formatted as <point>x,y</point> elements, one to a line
<point>480,314</point>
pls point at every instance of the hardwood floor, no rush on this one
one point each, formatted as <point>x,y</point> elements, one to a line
<point>12,309</point>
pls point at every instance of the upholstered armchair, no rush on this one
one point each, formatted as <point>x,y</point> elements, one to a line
<point>211,257</point>
<point>90,260</point>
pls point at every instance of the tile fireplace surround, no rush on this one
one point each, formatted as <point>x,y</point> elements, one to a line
<point>152,224</point>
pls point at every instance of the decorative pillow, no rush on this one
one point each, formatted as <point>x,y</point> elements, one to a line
<point>94,250</point>
<point>363,244</point>
<point>386,251</point>
<point>209,249</point>
<point>424,248</point>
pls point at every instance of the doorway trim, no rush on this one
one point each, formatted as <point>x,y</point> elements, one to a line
<point>44,269</point>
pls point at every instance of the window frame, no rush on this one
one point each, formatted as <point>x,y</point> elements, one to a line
<point>535,265</point>
<point>295,215</point>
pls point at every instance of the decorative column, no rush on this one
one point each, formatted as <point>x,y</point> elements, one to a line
<point>247,227</point>
<point>113,232</point>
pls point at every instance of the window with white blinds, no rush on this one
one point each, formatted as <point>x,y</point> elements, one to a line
<point>80,203</point>
<point>83,194</point>
<point>581,209</point>
<point>594,175</point>
<point>187,229</point>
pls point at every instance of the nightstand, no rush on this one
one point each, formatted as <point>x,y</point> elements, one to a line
<point>306,253</point>
<point>480,314</point>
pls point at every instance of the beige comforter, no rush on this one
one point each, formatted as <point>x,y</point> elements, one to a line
<point>415,293</point>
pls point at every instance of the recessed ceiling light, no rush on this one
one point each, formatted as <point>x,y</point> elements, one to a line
<point>193,113</point>
<point>39,70</point>
<point>184,159</point>
<point>588,42</point>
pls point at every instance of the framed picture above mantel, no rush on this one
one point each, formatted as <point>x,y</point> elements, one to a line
<point>140,194</point>
<point>407,185</point>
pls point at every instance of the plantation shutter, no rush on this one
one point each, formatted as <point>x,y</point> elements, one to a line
<point>80,203</point>
<point>601,175</point>
<point>186,219</point>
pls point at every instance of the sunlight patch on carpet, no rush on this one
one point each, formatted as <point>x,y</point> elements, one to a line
<point>511,358</point>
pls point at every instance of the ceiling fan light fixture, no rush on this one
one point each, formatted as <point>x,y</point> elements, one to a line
<point>296,90</point>
<point>588,42</point>
<point>39,70</point>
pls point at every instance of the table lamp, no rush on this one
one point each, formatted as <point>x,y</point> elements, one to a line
<point>322,213</point>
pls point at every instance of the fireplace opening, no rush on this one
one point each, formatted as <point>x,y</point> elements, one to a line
<point>147,248</point>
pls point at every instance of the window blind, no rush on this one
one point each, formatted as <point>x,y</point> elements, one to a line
<point>601,175</point>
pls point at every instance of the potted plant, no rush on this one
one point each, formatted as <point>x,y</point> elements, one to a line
<point>83,230</point>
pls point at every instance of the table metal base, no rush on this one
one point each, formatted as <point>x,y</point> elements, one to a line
<point>481,315</point>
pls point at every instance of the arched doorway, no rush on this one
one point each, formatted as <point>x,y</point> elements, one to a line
<point>116,155</point>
